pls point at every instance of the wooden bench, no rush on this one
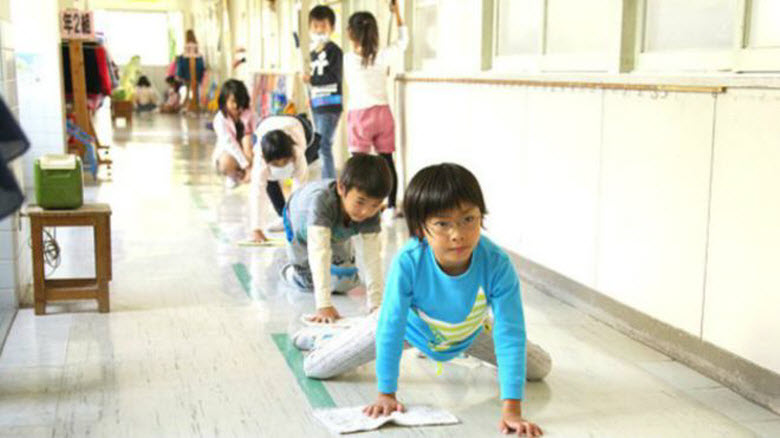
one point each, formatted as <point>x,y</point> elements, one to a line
<point>97,216</point>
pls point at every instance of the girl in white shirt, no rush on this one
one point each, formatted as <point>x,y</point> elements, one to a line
<point>370,123</point>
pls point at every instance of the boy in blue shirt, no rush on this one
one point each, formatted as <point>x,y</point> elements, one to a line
<point>437,296</point>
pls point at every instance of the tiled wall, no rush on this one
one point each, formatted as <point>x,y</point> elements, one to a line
<point>39,80</point>
<point>10,234</point>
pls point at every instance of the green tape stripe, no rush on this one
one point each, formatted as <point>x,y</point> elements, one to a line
<point>197,199</point>
<point>242,274</point>
<point>313,389</point>
<point>217,232</point>
<point>214,229</point>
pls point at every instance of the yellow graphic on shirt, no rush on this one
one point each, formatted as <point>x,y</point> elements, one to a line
<point>447,334</point>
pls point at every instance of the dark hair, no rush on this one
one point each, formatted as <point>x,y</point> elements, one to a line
<point>276,145</point>
<point>362,29</point>
<point>143,81</point>
<point>171,80</point>
<point>190,37</point>
<point>367,173</point>
<point>239,92</point>
<point>439,188</point>
<point>321,12</point>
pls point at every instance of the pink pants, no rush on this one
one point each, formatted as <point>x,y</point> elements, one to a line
<point>371,127</point>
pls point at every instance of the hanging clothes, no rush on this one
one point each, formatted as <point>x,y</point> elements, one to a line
<point>103,70</point>
<point>13,143</point>
<point>183,68</point>
<point>96,71</point>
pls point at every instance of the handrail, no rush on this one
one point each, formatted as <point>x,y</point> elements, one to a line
<point>667,88</point>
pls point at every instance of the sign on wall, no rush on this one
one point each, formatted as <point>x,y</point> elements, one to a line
<point>76,24</point>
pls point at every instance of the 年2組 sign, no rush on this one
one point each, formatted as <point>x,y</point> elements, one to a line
<point>75,24</point>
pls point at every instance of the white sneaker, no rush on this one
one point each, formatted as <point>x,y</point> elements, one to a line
<point>307,338</point>
<point>388,217</point>
<point>276,226</point>
<point>230,183</point>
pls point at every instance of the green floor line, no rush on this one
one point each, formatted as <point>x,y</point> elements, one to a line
<point>242,274</point>
<point>217,232</point>
<point>313,389</point>
<point>197,199</point>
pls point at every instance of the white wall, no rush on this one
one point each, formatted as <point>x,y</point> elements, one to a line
<point>612,189</point>
<point>742,301</point>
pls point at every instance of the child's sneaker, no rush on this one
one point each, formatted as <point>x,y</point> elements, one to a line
<point>307,338</point>
<point>276,226</point>
<point>230,183</point>
<point>288,276</point>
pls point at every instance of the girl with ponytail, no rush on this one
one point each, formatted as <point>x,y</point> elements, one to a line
<point>370,124</point>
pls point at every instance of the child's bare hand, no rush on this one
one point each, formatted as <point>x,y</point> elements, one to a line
<point>258,236</point>
<point>247,176</point>
<point>306,78</point>
<point>385,404</point>
<point>515,423</point>
<point>326,315</point>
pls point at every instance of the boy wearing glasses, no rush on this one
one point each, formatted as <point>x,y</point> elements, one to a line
<point>438,293</point>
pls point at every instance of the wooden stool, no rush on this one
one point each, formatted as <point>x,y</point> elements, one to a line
<point>122,109</point>
<point>97,216</point>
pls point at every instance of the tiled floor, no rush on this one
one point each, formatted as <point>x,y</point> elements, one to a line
<point>187,349</point>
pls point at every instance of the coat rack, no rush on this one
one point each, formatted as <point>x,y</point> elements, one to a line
<point>80,108</point>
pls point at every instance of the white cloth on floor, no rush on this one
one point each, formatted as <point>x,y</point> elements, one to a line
<point>348,420</point>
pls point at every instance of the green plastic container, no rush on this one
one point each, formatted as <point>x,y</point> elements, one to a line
<point>59,181</point>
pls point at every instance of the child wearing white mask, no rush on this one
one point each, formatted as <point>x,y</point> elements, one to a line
<point>325,79</point>
<point>282,143</point>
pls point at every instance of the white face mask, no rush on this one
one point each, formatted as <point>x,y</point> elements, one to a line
<point>281,173</point>
<point>317,39</point>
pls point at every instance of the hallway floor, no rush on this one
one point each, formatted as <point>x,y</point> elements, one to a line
<point>196,343</point>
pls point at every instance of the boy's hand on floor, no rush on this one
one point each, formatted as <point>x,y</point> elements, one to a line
<point>385,404</point>
<point>325,315</point>
<point>258,236</point>
<point>512,421</point>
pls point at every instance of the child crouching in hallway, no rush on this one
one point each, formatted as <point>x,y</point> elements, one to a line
<point>440,291</point>
<point>172,97</point>
<point>234,124</point>
<point>145,97</point>
<point>284,146</point>
<point>319,221</point>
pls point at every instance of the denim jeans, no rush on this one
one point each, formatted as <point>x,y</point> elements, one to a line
<point>325,124</point>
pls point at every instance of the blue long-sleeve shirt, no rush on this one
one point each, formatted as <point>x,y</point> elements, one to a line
<point>441,315</point>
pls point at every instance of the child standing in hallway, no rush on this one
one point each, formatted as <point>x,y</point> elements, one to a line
<point>234,124</point>
<point>319,221</point>
<point>440,290</point>
<point>370,122</point>
<point>325,80</point>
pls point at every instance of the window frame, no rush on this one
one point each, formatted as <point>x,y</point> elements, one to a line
<point>542,61</point>
<point>738,58</point>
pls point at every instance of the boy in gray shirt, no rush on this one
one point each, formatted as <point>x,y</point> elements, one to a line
<point>319,221</point>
